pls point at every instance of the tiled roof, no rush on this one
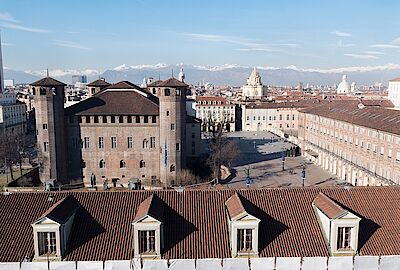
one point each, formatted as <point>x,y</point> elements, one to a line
<point>236,205</point>
<point>172,82</point>
<point>397,79</point>
<point>155,83</point>
<point>375,117</point>
<point>305,103</point>
<point>151,206</point>
<point>48,81</point>
<point>62,210</point>
<point>99,83</point>
<point>195,224</point>
<point>330,208</point>
<point>116,102</point>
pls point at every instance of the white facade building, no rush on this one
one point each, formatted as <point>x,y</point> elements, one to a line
<point>254,89</point>
<point>12,114</point>
<point>394,92</point>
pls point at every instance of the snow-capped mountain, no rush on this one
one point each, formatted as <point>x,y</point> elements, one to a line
<point>228,74</point>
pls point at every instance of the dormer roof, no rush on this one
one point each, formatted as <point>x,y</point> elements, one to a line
<point>48,81</point>
<point>329,207</point>
<point>152,206</point>
<point>62,210</point>
<point>237,207</point>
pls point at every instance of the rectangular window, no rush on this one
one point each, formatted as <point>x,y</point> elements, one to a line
<point>104,119</point>
<point>178,147</point>
<point>130,142</point>
<point>112,119</point>
<point>46,146</point>
<point>96,119</point>
<point>121,119</point>
<point>101,142</point>
<point>145,119</point>
<point>129,119</point>
<point>147,241</point>
<point>86,142</point>
<point>47,243</point>
<point>137,119</point>
<point>172,126</point>
<point>45,126</point>
<point>154,119</point>
<point>87,119</point>
<point>244,240</point>
<point>113,142</point>
<point>344,238</point>
<point>152,142</point>
<point>167,113</point>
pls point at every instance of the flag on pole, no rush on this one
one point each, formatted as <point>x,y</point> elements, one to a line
<point>165,154</point>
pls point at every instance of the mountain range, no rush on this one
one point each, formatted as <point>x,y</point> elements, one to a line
<point>232,75</point>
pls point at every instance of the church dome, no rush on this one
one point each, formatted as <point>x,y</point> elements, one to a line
<point>344,86</point>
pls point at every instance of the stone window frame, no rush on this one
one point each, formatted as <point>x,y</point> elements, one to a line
<point>148,223</point>
<point>47,227</point>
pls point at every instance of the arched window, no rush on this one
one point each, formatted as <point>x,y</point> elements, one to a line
<point>122,164</point>
<point>102,163</point>
<point>145,143</point>
<point>142,164</point>
<point>172,168</point>
<point>167,92</point>
<point>33,91</point>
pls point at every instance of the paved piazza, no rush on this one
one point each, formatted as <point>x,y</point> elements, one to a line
<point>261,153</point>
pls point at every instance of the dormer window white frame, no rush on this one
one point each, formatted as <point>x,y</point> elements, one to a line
<point>339,226</point>
<point>47,239</point>
<point>243,228</point>
<point>147,237</point>
<point>148,229</point>
<point>51,231</point>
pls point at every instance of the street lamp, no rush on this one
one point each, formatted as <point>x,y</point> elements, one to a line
<point>283,160</point>
<point>303,176</point>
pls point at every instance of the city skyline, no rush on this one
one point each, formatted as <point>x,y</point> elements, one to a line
<point>92,35</point>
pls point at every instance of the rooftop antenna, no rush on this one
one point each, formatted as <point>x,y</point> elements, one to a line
<point>172,72</point>
<point>159,78</point>
<point>47,72</point>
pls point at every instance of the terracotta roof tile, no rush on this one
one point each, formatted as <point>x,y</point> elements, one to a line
<point>195,224</point>
<point>370,116</point>
<point>151,206</point>
<point>98,83</point>
<point>172,82</point>
<point>330,208</point>
<point>48,81</point>
<point>62,210</point>
<point>116,102</point>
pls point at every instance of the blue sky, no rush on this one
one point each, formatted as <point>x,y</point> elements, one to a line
<point>103,34</point>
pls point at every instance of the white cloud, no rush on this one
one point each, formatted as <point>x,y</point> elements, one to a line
<point>385,46</point>
<point>4,16</point>
<point>373,52</point>
<point>24,28</point>
<point>396,41</point>
<point>70,44</point>
<point>246,44</point>
<point>361,56</point>
<point>341,34</point>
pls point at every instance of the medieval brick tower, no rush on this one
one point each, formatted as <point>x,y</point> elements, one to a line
<point>50,128</point>
<point>172,113</point>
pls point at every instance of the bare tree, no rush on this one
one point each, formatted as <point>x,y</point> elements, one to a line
<point>222,149</point>
<point>186,177</point>
<point>12,150</point>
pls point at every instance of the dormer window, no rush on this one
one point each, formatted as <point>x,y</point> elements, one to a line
<point>243,227</point>
<point>339,225</point>
<point>51,231</point>
<point>148,228</point>
<point>47,243</point>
